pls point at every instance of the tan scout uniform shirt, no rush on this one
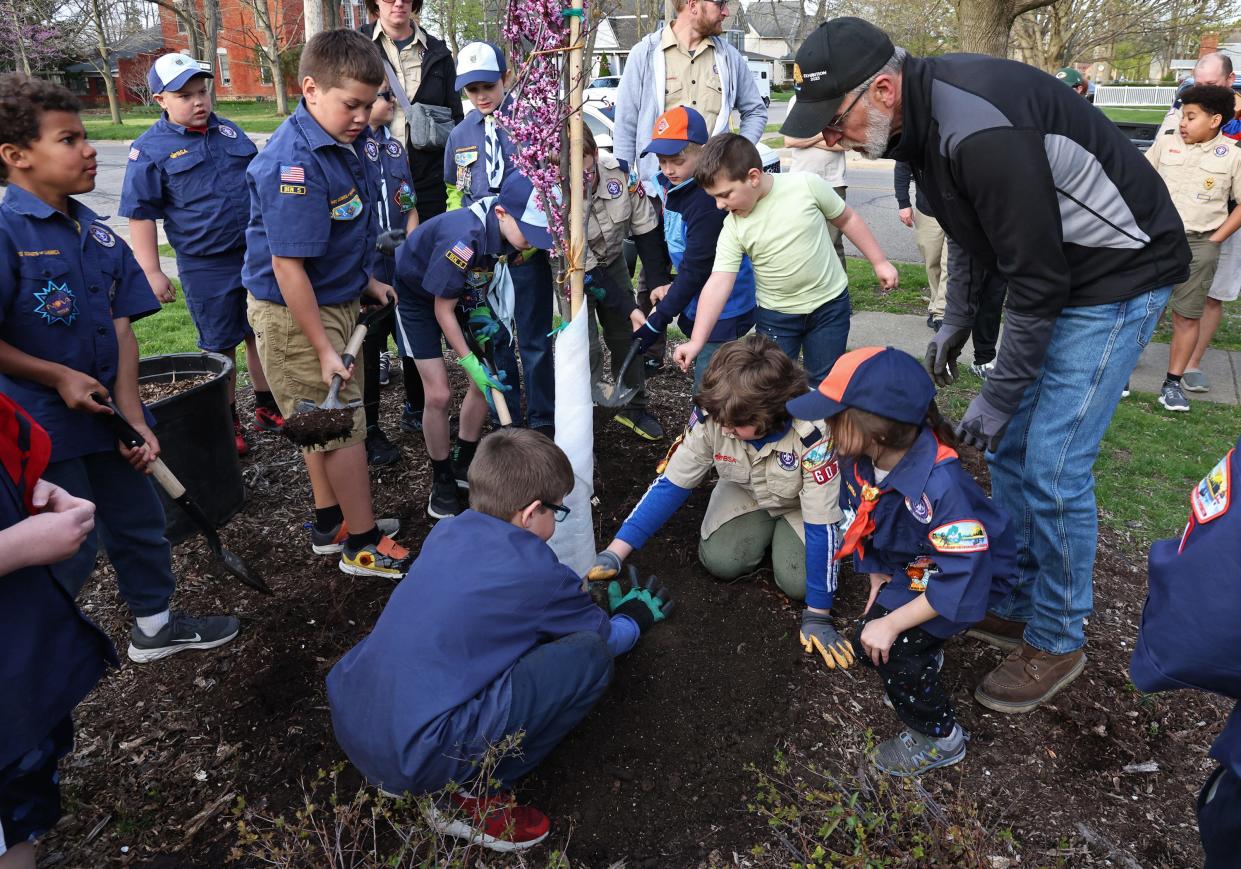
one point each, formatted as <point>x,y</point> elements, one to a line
<point>692,79</point>
<point>408,65</point>
<point>795,477</point>
<point>1201,177</point>
<point>618,208</point>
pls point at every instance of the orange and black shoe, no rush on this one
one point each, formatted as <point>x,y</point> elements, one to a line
<point>239,438</point>
<point>266,419</point>
<point>387,558</point>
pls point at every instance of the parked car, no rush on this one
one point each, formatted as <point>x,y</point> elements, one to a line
<point>602,90</point>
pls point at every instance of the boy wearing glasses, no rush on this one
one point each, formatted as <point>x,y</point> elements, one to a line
<point>468,653</point>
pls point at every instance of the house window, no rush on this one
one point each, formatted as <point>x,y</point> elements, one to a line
<point>348,18</point>
<point>264,72</point>
<point>225,76</point>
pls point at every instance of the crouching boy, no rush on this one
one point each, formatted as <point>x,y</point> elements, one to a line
<point>470,651</point>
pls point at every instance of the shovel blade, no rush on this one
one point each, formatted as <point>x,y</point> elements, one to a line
<point>234,564</point>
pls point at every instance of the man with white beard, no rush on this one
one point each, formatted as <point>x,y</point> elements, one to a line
<point>1043,191</point>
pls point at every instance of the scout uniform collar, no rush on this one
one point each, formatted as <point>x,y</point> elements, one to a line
<point>481,119</point>
<point>26,203</point>
<point>420,35</point>
<point>212,122</point>
<point>914,469</point>
<point>314,134</point>
<point>669,39</point>
<point>484,210</point>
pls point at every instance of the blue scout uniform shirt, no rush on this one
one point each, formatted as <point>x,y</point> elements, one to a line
<point>311,197</point>
<point>66,278</point>
<point>431,684</point>
<point>194,182</point>
<point>51,655</point>
<point>394,195</point>
<point>452,255</point>
<point>936,533</point>
<point>465,156</point>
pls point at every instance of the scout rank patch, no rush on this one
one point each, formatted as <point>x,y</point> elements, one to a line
<point>459,254</point>
<point>964,535</point>
<point>920,571</point>
<point>1212,496</point>
<point>820,462</point>
<point>614,187</point>
<point>56,304</point>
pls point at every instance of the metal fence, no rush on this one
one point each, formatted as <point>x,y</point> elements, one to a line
<point>1110,95</point>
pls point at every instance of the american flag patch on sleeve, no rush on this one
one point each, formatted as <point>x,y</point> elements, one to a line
<point>133,153</point>
<point>463,250</point>
<point>293,174</point>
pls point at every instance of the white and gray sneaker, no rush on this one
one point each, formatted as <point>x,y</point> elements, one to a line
<point>182,632</point>
<point>982,370</point>
<point>1194,380</point>
<point>1172,397</point>
<point>910,753</point>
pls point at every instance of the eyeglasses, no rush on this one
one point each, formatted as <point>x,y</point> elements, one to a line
<point>385,95</point>
<point>723,4</point>
<point>561,511</point>
<point>834,123</point>
<point>409,3</point>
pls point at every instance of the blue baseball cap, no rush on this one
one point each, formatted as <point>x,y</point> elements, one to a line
<point>519,198</point>
<point>480,62</point>
<point>883,380</point>
<point>171,71</point>
<point>674,129</point>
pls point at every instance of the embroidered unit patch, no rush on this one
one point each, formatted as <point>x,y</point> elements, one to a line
<point>1212,496</point>
<point>965,535</point>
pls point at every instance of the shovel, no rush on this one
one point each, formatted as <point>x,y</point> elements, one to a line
<point>617,395</point>
<point>231,562</point>
<point>313,424</point>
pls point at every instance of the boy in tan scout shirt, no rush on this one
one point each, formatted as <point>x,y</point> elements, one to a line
<point>779,487</point>
<point>619,208</point>
<point>1203,172</point>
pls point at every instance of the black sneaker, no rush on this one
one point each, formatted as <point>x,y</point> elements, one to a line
<point>642,424</point>
<point>652,365</point>
<point>182,632</point>
<point>385,368</point>
<point>1172,398</point>
<point>379,450</point>
<point>461,476</point>
<point>443,501</point>
<point>411,420</point>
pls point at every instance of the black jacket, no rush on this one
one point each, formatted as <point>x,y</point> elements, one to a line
<point>1041,189</point>
<point>902,175</point>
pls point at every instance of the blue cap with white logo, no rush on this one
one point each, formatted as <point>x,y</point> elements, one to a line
<point>480,62</point>
<point>519,198</point>
<point>172,71</point>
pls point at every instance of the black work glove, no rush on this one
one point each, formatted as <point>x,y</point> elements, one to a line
<point>607,565</point>
<point>646,602</point>
<point>983,425</point>
<point>941,354</point>
<point>819,636</point>
<point>389,241</point>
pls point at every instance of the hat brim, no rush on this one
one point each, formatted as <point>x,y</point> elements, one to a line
<point>180,81</point>
<point>813,405</point>
<point>807,118</point>
<point>538,236</point>
<point>667,147</point>
<point>480,76</point>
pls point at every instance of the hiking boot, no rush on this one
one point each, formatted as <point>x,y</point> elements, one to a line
<point>386,558</point>
<point>496,822</point>
<point>182,632</point>
<point>443,501</point>
<point>411,420</point>
<point>642,424</point>
<point>1028,678</point>
<point>385,368</point>
<point>239,438</point>
<point>981,370</point>
<point>1004,634</point>
<point>910,753</point>
<point>379,450</point>
<point>1172,397</point>
<point>266,419</point>
<point>331,542</point>
<point>1194,380</point>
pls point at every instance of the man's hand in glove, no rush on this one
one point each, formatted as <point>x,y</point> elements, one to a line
<point>941,354</point>
<point>983,426</point>
<point>646,602</point>
<point>818,634</point>
<point>389,241</point>
<point>607,565</point>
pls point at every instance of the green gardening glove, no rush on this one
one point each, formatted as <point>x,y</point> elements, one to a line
<point>483,324</point>
<point>483,377</point>
<point>646,602</point>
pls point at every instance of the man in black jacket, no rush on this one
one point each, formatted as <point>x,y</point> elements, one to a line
<point>1041,190</point>
<point>424,69</point>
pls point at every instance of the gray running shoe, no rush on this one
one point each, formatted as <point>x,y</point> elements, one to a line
<point>182,632</point>
<point>981,371</point>
<point>1173,398</point>
<point>1194,380</point>
<point>910,753</point>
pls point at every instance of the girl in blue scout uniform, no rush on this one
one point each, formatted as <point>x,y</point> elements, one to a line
<point>189,170</point>
<point>1191,629</point>
<point>69,289</point>
<point>449,263</point>
<point>477,159</point>
<point>936,548</point>
<point>394,208</point>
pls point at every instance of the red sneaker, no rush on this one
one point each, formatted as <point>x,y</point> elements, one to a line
<point>239,438</point>
<point>494,821</point>
<point>268,420</point>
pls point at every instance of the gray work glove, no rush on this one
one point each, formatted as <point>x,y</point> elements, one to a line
<point>983,425</point>
<point>941,354</point>
<point>819,637</point>
<point>389,241</point>
<point>607,565</point>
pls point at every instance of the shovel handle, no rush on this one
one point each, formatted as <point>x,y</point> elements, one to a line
<point>167,479</point>
<point>497,398</point>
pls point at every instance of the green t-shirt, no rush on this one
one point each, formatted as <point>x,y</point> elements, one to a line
<point>795,267</point>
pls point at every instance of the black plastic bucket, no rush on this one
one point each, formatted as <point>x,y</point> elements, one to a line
<point>195,431</point>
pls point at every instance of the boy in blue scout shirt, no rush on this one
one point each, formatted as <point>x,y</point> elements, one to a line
<point>444,270</point>
<point>477,159</point>
<point>692,226</point>
<point>469,652</point>
<point>51,655</point>
<point>936,548</point>
<point>308,247</point>
<point>1191,629</point>
<point>189,170</point>
<point>68,292</point>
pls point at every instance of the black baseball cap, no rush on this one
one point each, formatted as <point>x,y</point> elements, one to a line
<point>837,57</point>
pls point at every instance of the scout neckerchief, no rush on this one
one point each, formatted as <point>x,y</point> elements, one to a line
<point>494,154</point>
<point>500,292</point>
<point>863,524</point>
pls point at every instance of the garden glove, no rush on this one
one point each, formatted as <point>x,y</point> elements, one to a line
<point>607,565</point>
<point>483,377</point>
<point>483,324</point>
<point>941,354</point>
<point>818,634</point>
<point>983,425</point>
<point>389,241</point>
<point>646,603</point>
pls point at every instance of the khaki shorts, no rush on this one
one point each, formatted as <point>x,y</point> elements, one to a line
<point>1227,283</point>
<point>1189,298</point>
<point>292,365</point>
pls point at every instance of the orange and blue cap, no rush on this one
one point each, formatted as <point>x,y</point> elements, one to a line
<point>882,380</point>
<point>675,129</point>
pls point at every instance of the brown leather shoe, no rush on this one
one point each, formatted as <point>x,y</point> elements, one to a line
<point>1028,678</point>
<point>1004,634</point>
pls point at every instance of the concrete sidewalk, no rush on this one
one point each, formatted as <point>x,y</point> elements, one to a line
<point>909,332</point>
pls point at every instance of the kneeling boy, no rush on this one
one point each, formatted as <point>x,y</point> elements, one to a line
<point>470,651</point>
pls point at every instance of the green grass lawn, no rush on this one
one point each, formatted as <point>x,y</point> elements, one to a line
<point>781,96</point>
<point>251,116</point>
<point>1140,115</point>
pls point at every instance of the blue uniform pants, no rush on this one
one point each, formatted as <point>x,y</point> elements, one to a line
<point>554,686</point>
<point>1219,819</point>
<point>821,335</point>
<point>1042,472</point>
<point>129,518</point>
<point>533,295</point>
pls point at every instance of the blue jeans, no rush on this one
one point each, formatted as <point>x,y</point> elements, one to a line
<point>554,686</point>
<point>1042,472</point>
<point>533,291</point>
<point>130,519</point>
<point>821,335</point>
